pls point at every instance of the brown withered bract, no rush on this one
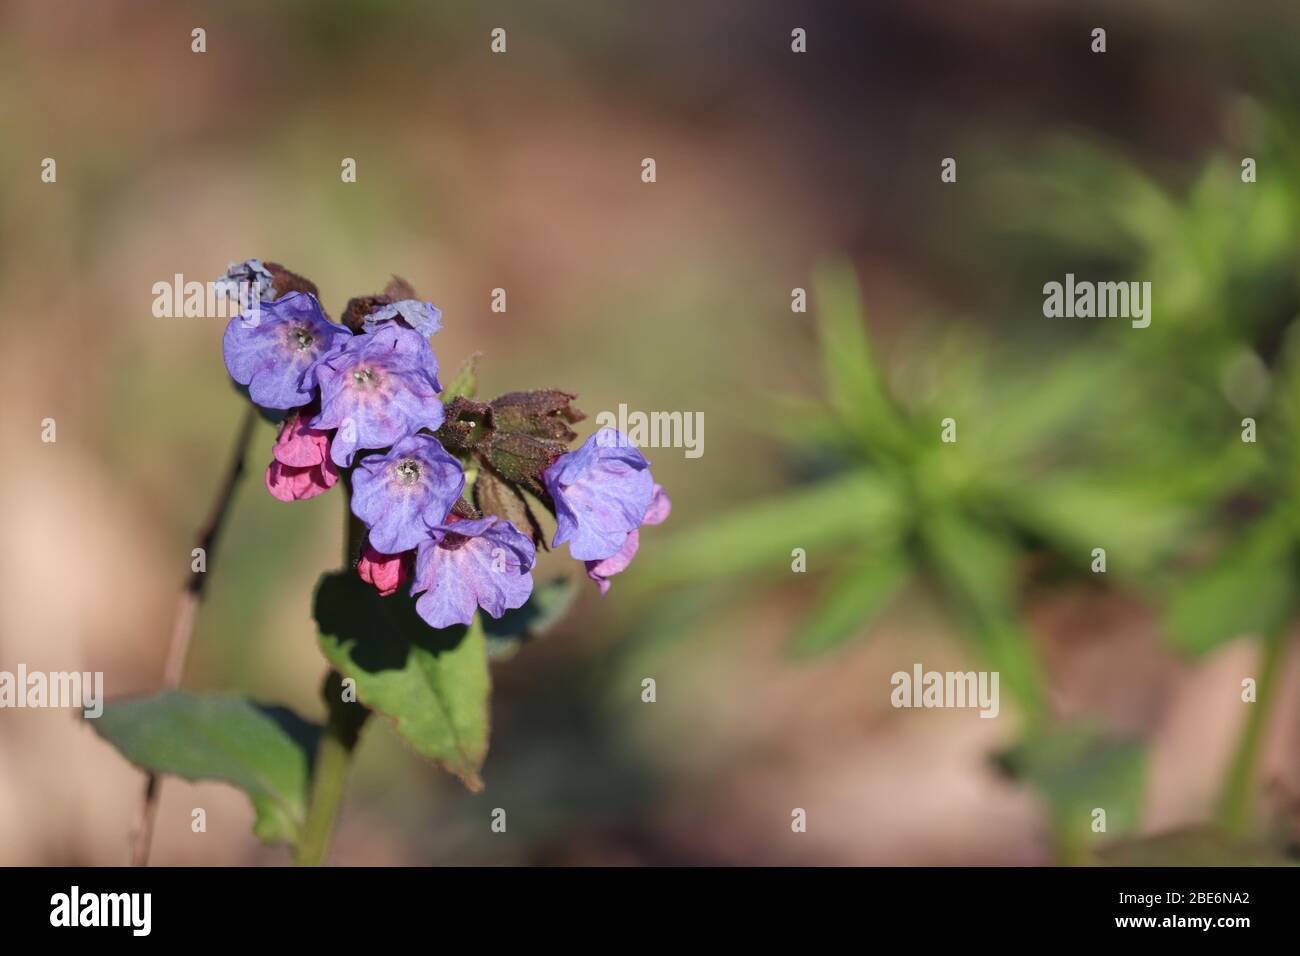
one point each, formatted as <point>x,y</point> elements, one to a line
<point>463,509</point>
<point>284,281</point>
<point>398,289</point>
<point>494,495</point>
<point>361,306</point>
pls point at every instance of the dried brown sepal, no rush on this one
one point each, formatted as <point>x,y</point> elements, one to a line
<point>494,495</point>
<point>284,281</point>
<point>463,509</point>
<point>361,306</point>
<point>398,290</point>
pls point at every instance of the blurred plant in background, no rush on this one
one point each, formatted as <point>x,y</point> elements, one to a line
<point>1127,441</point>
<point>1221,366</point>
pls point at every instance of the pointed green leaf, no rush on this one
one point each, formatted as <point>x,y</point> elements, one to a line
<point>855,387</point>
<point>760,537</point>
<point>852,378</point>
<point>465,384</point>
<point>264,751</point>
<point>432,684</point>
<point>1039,406</point>
<point>1137,526</point>
<point>978,565</point>
<point>977,568</point>
<point>851,603</point>
<point>1004,645</point>
<point>1248,591</point>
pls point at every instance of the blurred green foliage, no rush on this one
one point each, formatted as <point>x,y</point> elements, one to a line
<point>1129,440</point>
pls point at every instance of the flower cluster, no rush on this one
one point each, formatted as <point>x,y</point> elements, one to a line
<point>363,404</point>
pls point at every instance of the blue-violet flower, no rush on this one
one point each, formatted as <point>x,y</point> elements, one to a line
<point>601,492</point>
<point>468,564</point>
<point>377,389</point>
<point>424,317</point>
<point>398,495</point>
<point>272,349</point>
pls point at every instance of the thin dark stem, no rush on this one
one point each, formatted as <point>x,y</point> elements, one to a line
<point>183,624</point>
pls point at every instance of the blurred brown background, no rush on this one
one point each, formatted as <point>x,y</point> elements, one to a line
<point>522,171</point>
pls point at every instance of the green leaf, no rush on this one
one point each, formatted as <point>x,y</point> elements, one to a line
<point>1008,648</point>
<point>1079,768</point>
<point>264,751</point>
<point>1248,591</point>
<point>976,564</point>
<point>977,568</point>
<point>548,603</point>
<point>465,384</point>
<point>1136,526</point>
<point>1039,406</point>
<point>760,537</point>
<point>851,603</point>
<point>433,684</point>
<point>855,388</point>
<point>847,363</point>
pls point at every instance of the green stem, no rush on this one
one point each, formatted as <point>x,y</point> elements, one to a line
<point>1237,799</point>
<point>330,771</point>
<point>339,737</point>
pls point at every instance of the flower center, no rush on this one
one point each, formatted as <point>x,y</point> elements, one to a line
<point>407,471</point>
<point>452,541</point>
<point>364,376</point>
<point>301,338</point>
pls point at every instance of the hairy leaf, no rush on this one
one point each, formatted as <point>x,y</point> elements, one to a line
<point>432,684</point>
<point>264,751</point>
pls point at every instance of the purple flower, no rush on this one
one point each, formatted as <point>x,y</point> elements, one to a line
<point>400,494</point>
<point>471,564</point>
<point>246,282</point>
<point>424,317</point>
<point>601,493</point>
<point>602,571</point>
<point>273,347</point>
<point>377,389</point>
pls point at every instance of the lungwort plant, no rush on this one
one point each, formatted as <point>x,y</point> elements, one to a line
<point>444,498</point>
